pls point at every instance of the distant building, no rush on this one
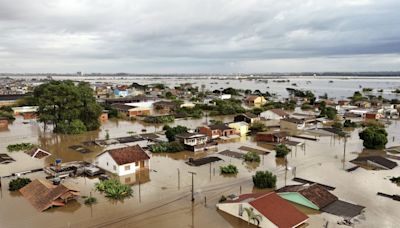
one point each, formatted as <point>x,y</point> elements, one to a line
<point>274,114</point>
<point>273,137</point>
<point>131,111</point>
<point>255,100</point>
<point>123,161</point>
<point>121,91</point>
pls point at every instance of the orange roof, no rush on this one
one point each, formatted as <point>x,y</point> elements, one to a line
<point>128,154</point>
<point>279,211</point>
<point>274,208</point>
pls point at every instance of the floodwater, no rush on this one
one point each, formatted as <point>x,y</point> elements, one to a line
<point>337,87</point>
<point>163,200</point>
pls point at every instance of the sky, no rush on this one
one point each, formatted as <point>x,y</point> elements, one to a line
<point>199,36</point>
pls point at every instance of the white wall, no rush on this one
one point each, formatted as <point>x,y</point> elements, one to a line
<point>122,171</point>
<point>233,209</point>
<point>106,162</point>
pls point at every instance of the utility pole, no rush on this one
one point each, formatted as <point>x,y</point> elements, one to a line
<point>179,179</point>
<point>192,173</point>
<point>286,168</point>
<point>140,196</point>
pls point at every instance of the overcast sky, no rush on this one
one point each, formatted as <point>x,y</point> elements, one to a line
<point>199,36</point>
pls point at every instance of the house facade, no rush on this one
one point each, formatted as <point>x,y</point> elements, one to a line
<point>123,161</point>
<point>242,128</point>
<point>273,137</point>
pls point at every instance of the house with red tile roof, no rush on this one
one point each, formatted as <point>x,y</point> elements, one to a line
<point>264,210</point>
<point>123,161</point>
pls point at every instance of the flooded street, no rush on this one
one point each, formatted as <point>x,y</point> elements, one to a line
<point>163,201</point>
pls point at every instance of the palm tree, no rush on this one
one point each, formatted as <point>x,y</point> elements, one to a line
<point>252,216</point>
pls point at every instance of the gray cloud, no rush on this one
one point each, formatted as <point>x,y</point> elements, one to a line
<point>199,36</point>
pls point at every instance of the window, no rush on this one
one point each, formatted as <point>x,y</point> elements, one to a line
<point>240,210</point>
<point>115,167</point>
<point>107,163</point>
<point>127,167</point>
<point>127,180</point>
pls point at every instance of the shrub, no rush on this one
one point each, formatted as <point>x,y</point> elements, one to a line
<point>374,137</point>
<point>264,179</point>
<point>20,146</point>
<point>395,180</point>
<point>252,157</point>
<point>18,183</point>
<point>349,123</point>
<point>229,169</point>
<point>90,200</point>
<point>7,115</point>
<point>281,150</point>
<point>114,189</point>
<point>167,147</point>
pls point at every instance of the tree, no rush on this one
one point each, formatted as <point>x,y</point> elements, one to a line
<point>252,216</point>
<point>170,132</point>
<point>264,179</point>
<point>257,126</point>
<point>374,137</point>
<point>281,150</point>
<point>70,108</point>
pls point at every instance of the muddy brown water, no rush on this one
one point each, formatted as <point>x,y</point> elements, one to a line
<point>161,203</point>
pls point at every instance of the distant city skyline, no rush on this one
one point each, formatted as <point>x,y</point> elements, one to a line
<point>208,36</point>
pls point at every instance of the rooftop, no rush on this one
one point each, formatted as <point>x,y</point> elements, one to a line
<point>127,155</point>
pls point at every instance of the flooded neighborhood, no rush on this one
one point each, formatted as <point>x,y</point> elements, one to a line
<point>199,114</point>
<point>338,177</point>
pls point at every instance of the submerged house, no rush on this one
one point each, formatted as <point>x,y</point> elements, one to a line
<point>44,195</point>
<point>292,124</point>
<point>313,196</point>
<point>272,137</point>
<point>247,117</point>
<point>37,153</point>
<point>375,161</point>
<point>217,130</point>
<point>195,141</point>
<point>267,210</point>
<point>5,159</point>
<point>123,161</point>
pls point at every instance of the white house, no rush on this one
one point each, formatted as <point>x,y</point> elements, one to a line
<point>265,210</point>
<point>225,96</point>
<point>123,161</point>
<point>274,114</point>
